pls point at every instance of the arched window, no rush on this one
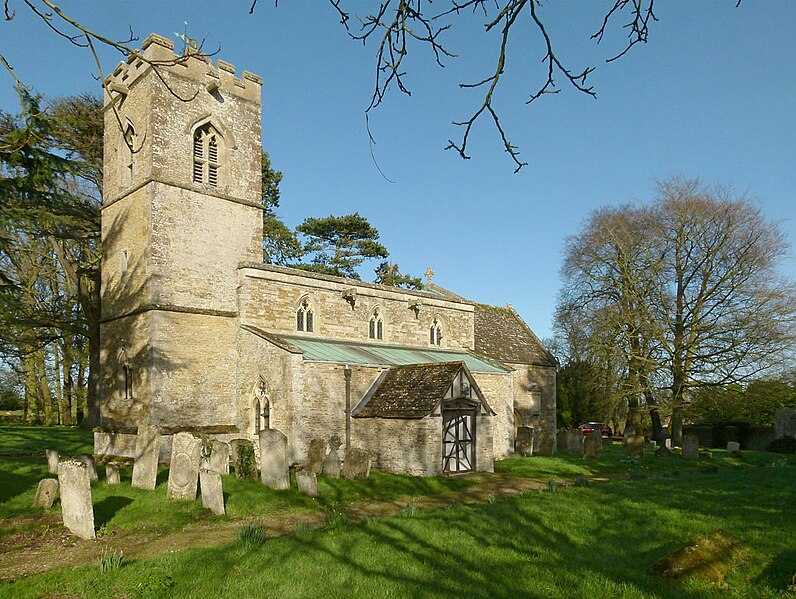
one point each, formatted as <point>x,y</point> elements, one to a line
<point>128,155</point>
<point>376,325</point>
<point>125,377</point>
<point>261,405</point>
<point>305,316</point>
<point>206,152</point>
<point>435,332</point>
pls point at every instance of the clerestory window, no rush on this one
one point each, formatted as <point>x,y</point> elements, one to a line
<point>435,333</point>
<point>305,317</point>
<point>376,325</point>
<point>206,161</point>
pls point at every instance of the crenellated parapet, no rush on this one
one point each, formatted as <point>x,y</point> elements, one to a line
<point>158,52</point>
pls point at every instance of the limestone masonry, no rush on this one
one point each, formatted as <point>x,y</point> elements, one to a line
<point>198,335</point>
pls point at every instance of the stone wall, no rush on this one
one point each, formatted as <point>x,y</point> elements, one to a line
<point>497,390</point>
<point>537,409</point>
<point>270,296</point>
<point>402,446</point>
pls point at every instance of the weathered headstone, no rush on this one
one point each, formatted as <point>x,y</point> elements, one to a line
<point>52,460</point>
<point>784,423</point>
<point>331,465</point>
<point>91,465</point>
<point>316,455</point>
<point>242,458</point>
<point>307,482</point>
<point>46,493</point>
<point>630,430</point>
<point>544,443</point>
<point>184,466</point>
<point>147,451</point>
<point>523,444</point>
<point>690,447</point>
<point>112,473</point>
<point>575,441</point>
<point>652,445</point>
<point>709,558</point>
<point>273,459</point>
<point>663,452</point>
<point>667,443</point>
<point>733,446</point>
<point>212,491</point>
<point>635,446</point>
<point>592,446</point>
<point>215,457</point>
<point>76,507</point>
<point>356,465</point>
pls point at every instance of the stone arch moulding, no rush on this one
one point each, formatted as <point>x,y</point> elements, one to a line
<point>377,314</point>
<point>305,315</point>
<point>436,331</point>
<point>210,119</point>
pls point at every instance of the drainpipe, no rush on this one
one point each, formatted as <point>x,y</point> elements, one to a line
<point>347,373</point>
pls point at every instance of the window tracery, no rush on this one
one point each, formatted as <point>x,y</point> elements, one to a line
<point>376,325</point>
<point>305,317</point>
<point>206,155</point>
<point>435,332</point>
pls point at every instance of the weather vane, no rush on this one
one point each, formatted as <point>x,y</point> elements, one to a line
<point>187,41</point>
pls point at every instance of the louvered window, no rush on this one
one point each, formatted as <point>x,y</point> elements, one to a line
<point>206,163</point>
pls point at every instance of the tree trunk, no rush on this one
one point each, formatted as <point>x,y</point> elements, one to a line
<point>68,383</point>
<point>32,415</point>
<point>44,388</point>
<point>59,390</point>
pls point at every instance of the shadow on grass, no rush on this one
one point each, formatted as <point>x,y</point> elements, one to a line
<point>106,509</point>
<point>780,571</point>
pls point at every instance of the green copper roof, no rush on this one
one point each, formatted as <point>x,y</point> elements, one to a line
<point>343,352</point>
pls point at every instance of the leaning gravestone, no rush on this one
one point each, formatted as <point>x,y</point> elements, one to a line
<point>690,447</point>
<point>274,470</point>
<point>331,465</point>
<point>52,460</point>
<point>575,441</point>
<point>592,446</point>
<point>356,465</point>
<point>184,466</point>
<point>635,446</point>
<point>147,451</point>
<point>307,483</point>
<point>242,458</point>
<point>46,493</point>
<point>784,423</point>
<point>212,491</point>
<point>91,465</point>
<point>316,455</point>
<point>76,507</point>
<point>523,444</point>
<point>112,473</point>
<point>215,457</point>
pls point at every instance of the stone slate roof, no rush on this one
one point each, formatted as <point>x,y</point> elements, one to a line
<point>411,391</point>
<point>501,334</point>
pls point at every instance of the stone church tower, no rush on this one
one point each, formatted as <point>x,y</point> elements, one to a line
<point>180,211</point>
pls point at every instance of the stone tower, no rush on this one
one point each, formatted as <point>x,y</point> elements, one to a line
<point>180,211</point>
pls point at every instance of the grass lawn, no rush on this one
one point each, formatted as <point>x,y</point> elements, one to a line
<point>596,539</point>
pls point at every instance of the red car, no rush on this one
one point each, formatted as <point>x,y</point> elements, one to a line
<point>588,427</point>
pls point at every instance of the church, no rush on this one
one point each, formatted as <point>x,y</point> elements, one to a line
<point>198,334</point>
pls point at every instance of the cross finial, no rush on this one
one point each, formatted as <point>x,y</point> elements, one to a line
<point>429,273</point>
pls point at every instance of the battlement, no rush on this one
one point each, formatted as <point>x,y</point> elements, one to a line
<point>158,52</point>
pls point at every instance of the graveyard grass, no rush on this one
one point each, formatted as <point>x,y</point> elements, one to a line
<point>597,538</point>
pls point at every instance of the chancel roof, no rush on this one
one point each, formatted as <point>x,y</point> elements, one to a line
<point>501,334</point>
<point>415,390</point>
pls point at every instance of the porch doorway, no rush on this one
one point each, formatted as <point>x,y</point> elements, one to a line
<point>458,438</point>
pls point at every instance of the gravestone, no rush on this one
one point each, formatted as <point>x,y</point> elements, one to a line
<point>215,457</point>
<point>91,465</point>
<point>784,423</point>
<point>52,460</point>
<point>356,465</point>
<point>733,446</point>
<point>652,445</point>
<point>76,507</point>
<point>690,447</point>
<point>242,458</point>
<point>544,443</point>
<point>147,451</point>
<point>663,452</point>
<point>331,465</point>
<point>316,455</point>
<point>184,466</point>
<point>523,444</point>
<point>307,483</point>
<point>635,446</point>
<point>667,443</point>
<point>592,446</point>
<point>112,473</point>
<point>630,430</point>
<point>575,441</point>
<point>212,491</point>
<point>561,439</point>
<point>273,459</point>
<point>46,493</point>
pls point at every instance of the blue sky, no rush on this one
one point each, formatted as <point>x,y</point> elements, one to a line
<point>711,96</point>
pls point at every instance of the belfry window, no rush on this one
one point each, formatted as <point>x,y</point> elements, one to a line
<point>376,325</point>
<point>206,162</point>
<point>435,333</point>
<point>305,317</point>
